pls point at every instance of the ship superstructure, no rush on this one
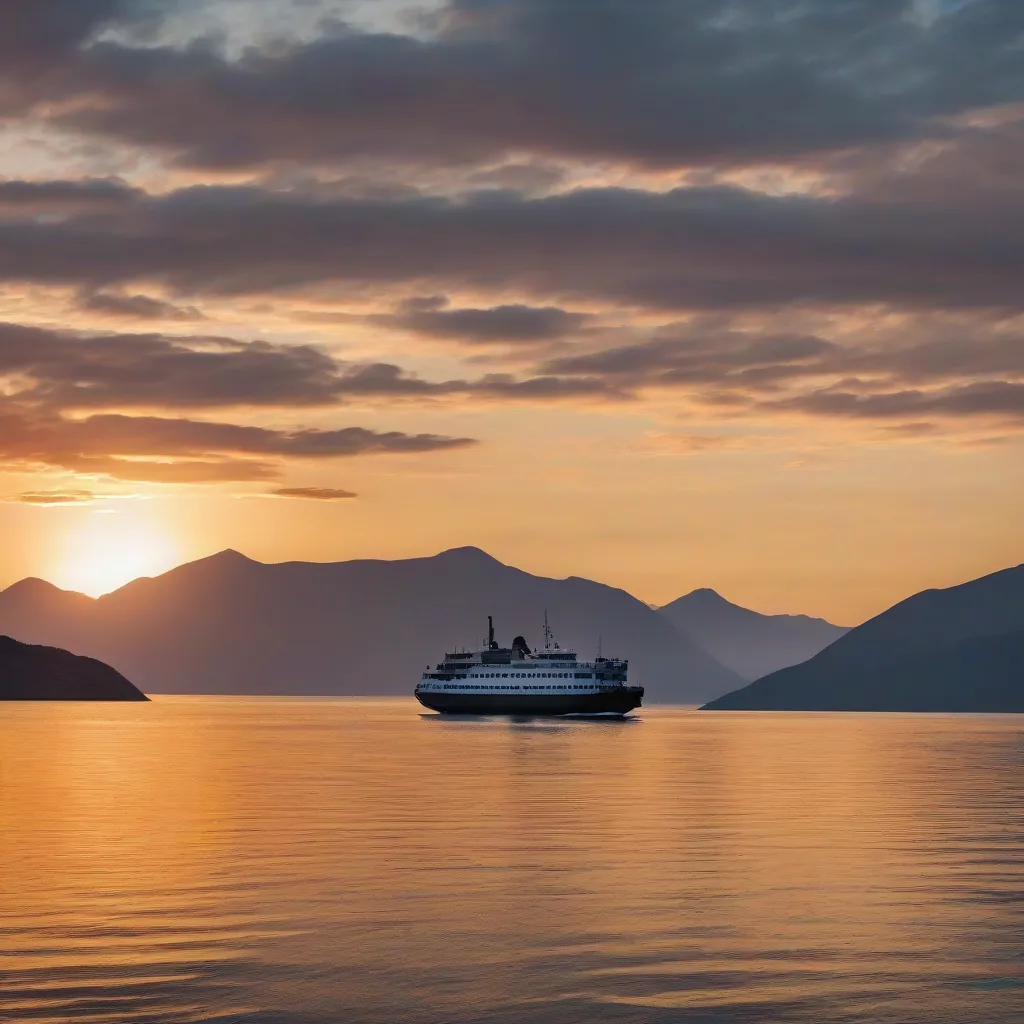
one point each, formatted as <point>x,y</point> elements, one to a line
<point>495,680</point>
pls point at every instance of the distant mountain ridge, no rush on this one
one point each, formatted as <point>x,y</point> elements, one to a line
<point>228,624</point>
<point>957,649</point>
<point>751,644</point>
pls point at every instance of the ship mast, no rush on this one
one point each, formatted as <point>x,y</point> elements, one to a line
<point>550,643</point>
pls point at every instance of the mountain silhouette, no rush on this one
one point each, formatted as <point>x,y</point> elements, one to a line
<point>958,649</point>
<point>749,643</point>
<point>29,672</point>
<point>228,624</point>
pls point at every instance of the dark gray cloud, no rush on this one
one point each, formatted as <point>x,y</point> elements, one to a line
<point>56,197</point>
<point>137,307</point>
<point>688,248</point>
<point>313,493</point>
<point>513,91</point>
<point>518,323</point>
<point>993,399</point>
<point>958,373</point>
<point>66,370</point>
<point>694,354</point>
<point>43,44</point>
<point>40,31</point>
<point>700,82</point>
<point>718,357</point>
<point>60,370</point>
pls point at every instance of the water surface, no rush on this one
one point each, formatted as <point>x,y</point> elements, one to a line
<point>261,861</point>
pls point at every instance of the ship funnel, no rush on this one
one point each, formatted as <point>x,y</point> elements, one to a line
<point>491,645</point>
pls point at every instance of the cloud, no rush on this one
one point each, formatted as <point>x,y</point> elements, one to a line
<point>496,325</point>
<point>960,370</point>
<point>672,84</point>
<point>925,371</point>
<point>65,197</point>
<point>68,370</point>
<point>314,493</point>
<point>34,33</point>
<point>137,307</point>
<point>719,357</point>
<point>714,248</point>
<point>182,450</point>
<point>65,370</point>
<point>801,157</point>
<point>62,497</point>
<point>1000,399</point>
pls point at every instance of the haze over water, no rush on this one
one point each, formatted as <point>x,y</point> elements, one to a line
<point>325,861</point>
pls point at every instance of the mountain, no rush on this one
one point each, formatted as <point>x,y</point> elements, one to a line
<point>959,649</point>
<point>45,673</point>
<point>228,624</point>
<point>749,643</point>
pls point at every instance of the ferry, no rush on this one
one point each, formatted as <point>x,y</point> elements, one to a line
<point>517,681</point>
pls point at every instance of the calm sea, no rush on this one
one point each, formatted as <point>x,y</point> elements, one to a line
<point>324,861</point>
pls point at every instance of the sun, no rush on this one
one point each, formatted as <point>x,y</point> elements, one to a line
<point>106,551</point>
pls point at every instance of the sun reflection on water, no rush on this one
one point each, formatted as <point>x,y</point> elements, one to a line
<point>310,861</point>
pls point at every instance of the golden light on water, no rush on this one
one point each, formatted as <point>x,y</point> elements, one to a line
<point>105,551</point>
<point>179,862</point>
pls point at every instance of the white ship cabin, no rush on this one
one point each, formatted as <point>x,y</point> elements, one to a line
<point>551,669</point>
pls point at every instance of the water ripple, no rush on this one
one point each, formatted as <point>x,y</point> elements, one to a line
<point>246,861</point>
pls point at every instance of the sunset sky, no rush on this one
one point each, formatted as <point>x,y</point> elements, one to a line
<point>664,293</point>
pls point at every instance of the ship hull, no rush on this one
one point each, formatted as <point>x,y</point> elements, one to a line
<point>611,702</point>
